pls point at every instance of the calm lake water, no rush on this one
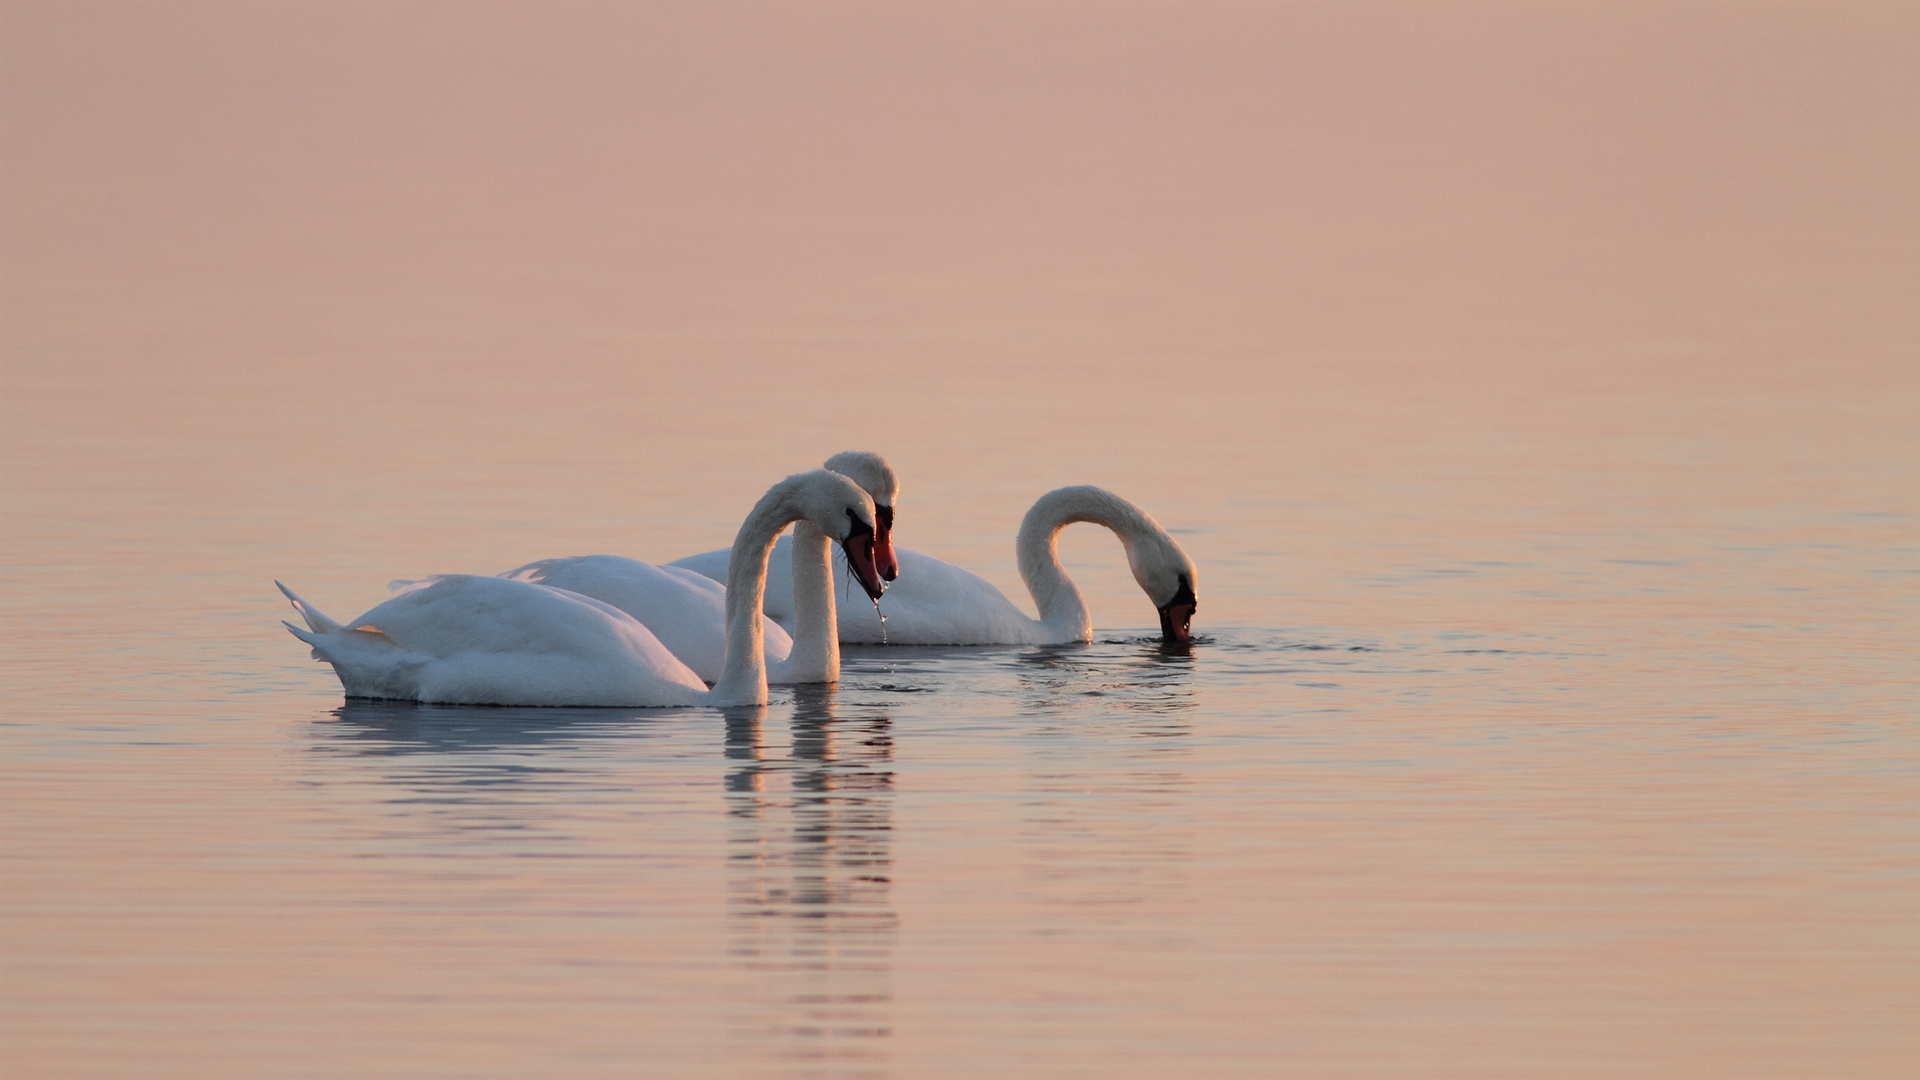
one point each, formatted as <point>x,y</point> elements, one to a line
<point>1554,486</point>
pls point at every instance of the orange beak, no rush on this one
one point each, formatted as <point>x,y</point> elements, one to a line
<point>859,546</point>
<point>883,557</point>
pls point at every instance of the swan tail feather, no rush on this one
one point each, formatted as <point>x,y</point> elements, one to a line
<point>316,619</point>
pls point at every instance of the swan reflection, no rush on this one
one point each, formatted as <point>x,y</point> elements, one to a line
<point>809,877</point>
<point>371,727</point>
<point>516,778</point>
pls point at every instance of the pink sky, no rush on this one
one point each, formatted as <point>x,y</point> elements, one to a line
<point>1327,174</point>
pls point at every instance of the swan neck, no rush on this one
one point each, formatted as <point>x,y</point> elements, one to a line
<point>1062,608</point>
<point>744,679</point>
<point>816,616</point>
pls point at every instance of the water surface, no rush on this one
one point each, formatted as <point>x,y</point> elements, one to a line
<point>1545,440</point>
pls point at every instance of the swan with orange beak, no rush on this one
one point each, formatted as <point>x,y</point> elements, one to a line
<point>685,610</point>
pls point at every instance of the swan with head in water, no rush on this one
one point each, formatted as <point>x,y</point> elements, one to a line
<point>473,640</point>
<point>685,610</point>
<point>937,603</point>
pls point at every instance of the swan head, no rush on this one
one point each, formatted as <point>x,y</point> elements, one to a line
<point>1176,615</point>
<point>871,471</point>
<point>1167,576</point>
<point>845,512</point>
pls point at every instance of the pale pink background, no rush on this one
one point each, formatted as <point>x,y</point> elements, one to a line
<point>1620,302</point>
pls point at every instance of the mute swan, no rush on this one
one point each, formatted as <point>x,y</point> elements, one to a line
<point>685,610</point>
<point>471,640</point>
<point>937,603</point>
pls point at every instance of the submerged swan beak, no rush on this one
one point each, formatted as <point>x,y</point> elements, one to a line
<point>859,546</point>
<point>883,557</point>
<point>1176,615</point>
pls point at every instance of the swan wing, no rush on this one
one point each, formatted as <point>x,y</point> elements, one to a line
<point>934,602</point>
<point>471,640</point>
<point>686,611</point>
<point>778,604</point>
<point>711,565</point>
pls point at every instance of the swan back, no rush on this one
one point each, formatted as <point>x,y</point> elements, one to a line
<point>464,639</point>
<point>681,608</point>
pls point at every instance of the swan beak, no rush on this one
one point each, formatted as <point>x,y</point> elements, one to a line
<point>883,557</point>
<point>859,546</point>
<point>1176,615</point>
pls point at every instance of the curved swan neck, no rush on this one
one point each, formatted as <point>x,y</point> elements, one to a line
<point>1062,609</point>
<point>816,616</point>
<point>744,680</point>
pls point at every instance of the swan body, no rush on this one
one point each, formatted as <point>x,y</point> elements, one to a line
<point>474,640</point>
<point>464,639</point>
<point>933,602</point>
<point>937,603</point>
<point>686,610</point>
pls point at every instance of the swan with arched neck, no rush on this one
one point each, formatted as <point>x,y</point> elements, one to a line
<point>937,603</point>
<point>474,640</point>
<point>685,610</point>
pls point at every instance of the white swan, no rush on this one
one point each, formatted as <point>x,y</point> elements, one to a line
<point>472,640</point>
<point>685,610</point>
<point>937,603</point>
